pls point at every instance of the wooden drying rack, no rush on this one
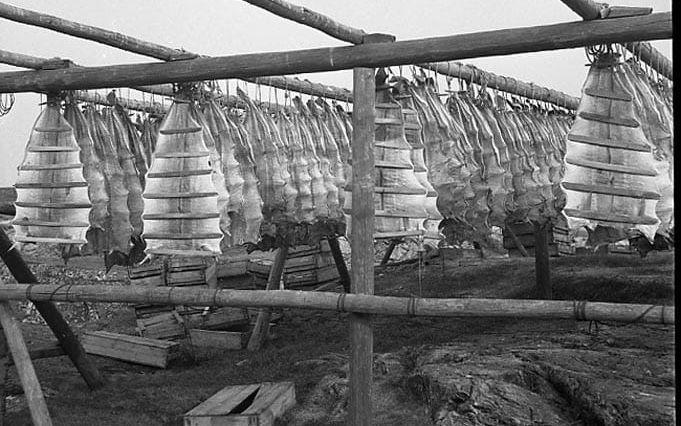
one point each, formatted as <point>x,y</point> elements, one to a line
<point>372,51</point>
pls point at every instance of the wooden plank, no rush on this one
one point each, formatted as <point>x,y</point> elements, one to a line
<point>269,402</point>
<point>541,260</point>
<point>5,359</point>
<point>261,327</point>
<point>489,43</point>
<point>587,9</point>
<point>29,381</point>
<point>341,266</point>
<point>60,328</point>
<point>359,303</point>
<point>516,241</point>
<point>389,251</point>
<point>234,340</point>
<point>139,350</point>
<point>362,241</point>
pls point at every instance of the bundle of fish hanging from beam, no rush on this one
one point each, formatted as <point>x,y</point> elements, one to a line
<point>619,177</point>
<point>491,162</point>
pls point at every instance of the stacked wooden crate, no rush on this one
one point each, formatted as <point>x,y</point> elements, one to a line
<point>233,262</point>
<point>560,243</point>
<point>306,266</point>
<point>173,322</point>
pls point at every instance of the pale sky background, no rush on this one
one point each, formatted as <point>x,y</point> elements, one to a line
<point>225,27</point>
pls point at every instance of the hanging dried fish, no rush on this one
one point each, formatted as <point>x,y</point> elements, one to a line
<point>119,136</point>
<point>94,176</point>
<point>215,163</point>
<point>120,232</point>
<point>181,215</point>
<point>610,179</point>
<point>52,195</point>
<point>248,232</point>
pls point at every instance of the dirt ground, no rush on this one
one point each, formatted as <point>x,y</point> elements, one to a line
<point>427,371</point>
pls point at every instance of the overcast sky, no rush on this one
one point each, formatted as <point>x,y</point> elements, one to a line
<point>224,27</point>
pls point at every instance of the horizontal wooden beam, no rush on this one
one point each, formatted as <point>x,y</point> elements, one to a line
<point>313,19</point>
<point>153,50</point>
<point>323,23</point>
<point>505,84</point>
<point>488,43</point>
<point>591,10</point>
<point>345,302</point>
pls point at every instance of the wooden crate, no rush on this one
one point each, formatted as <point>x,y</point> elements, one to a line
<point>244,405</point>
<point>175,272</point>
<point>139,350</point>
<point>233,262</point>
<point>222,340</point>
<point>174,324</point>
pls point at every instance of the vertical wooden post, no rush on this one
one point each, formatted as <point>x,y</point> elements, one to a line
<point>262,323</point>
<point>4,366</point>
<point>340,264</point>
<point>22,360</point>
<point>541,260</point>
<point>362,237</point>
<point>69,342</point>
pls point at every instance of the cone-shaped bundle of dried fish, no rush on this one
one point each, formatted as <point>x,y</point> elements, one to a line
<point>399,198</point>
<point>413,134</point>
<point>134,143</point>
<point>650,114</point>
<point>94,176</point>
<point>276,197</point>
<point>120,232</point>
<point>52,196</point>
<point>610,178</point>
<point>181,215</point>
<point>220,130</point>
<point>317,184</point>
<point>215,163</point>
<point>298,167</point>
<point>119,136</point>
<point>245,225</point>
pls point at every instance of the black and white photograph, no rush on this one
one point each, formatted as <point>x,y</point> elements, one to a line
<point>317,212</point>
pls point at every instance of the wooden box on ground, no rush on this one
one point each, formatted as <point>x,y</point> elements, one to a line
<point>244,405</point>
<point>139,350</point>
<point>560,243</point>
<point>234,339</point>
<point>233,262</point>
<point>175,272</point>
<point>174,324</point>
<point>305,266</point>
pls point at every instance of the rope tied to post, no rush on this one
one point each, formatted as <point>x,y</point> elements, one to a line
<point>579,309</point>
<point>340,303</point>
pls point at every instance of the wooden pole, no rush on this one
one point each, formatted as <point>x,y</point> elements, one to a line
<point>153,50</point>
<point>331,301</point>
<point>339,260</point>
<point>389,251</point>
<point>516,241</point>
<point>69,342</point>
<point>488,43</point>
<point>5,358</point>
<point>361,238</point>
<point>323,23</point>
<point>541,260</point>
<point>22,360</point>
<point>262,323</point>
<point>591,10</point>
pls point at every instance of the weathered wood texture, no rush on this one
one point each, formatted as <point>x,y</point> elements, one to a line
<point>216,339</point>
<point>541,260</point>
<point>244,405</point>
<point>488,43</point>
<point>262,323</point>
<point>359,303</point>
<point>131,44</point>
<point>29,381</point>
<point>591,10</point>
<point>339,260</point>
<point>362,243</point>
<point>139,350</point>
<point>323,23</point>
<point>68,340</point>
